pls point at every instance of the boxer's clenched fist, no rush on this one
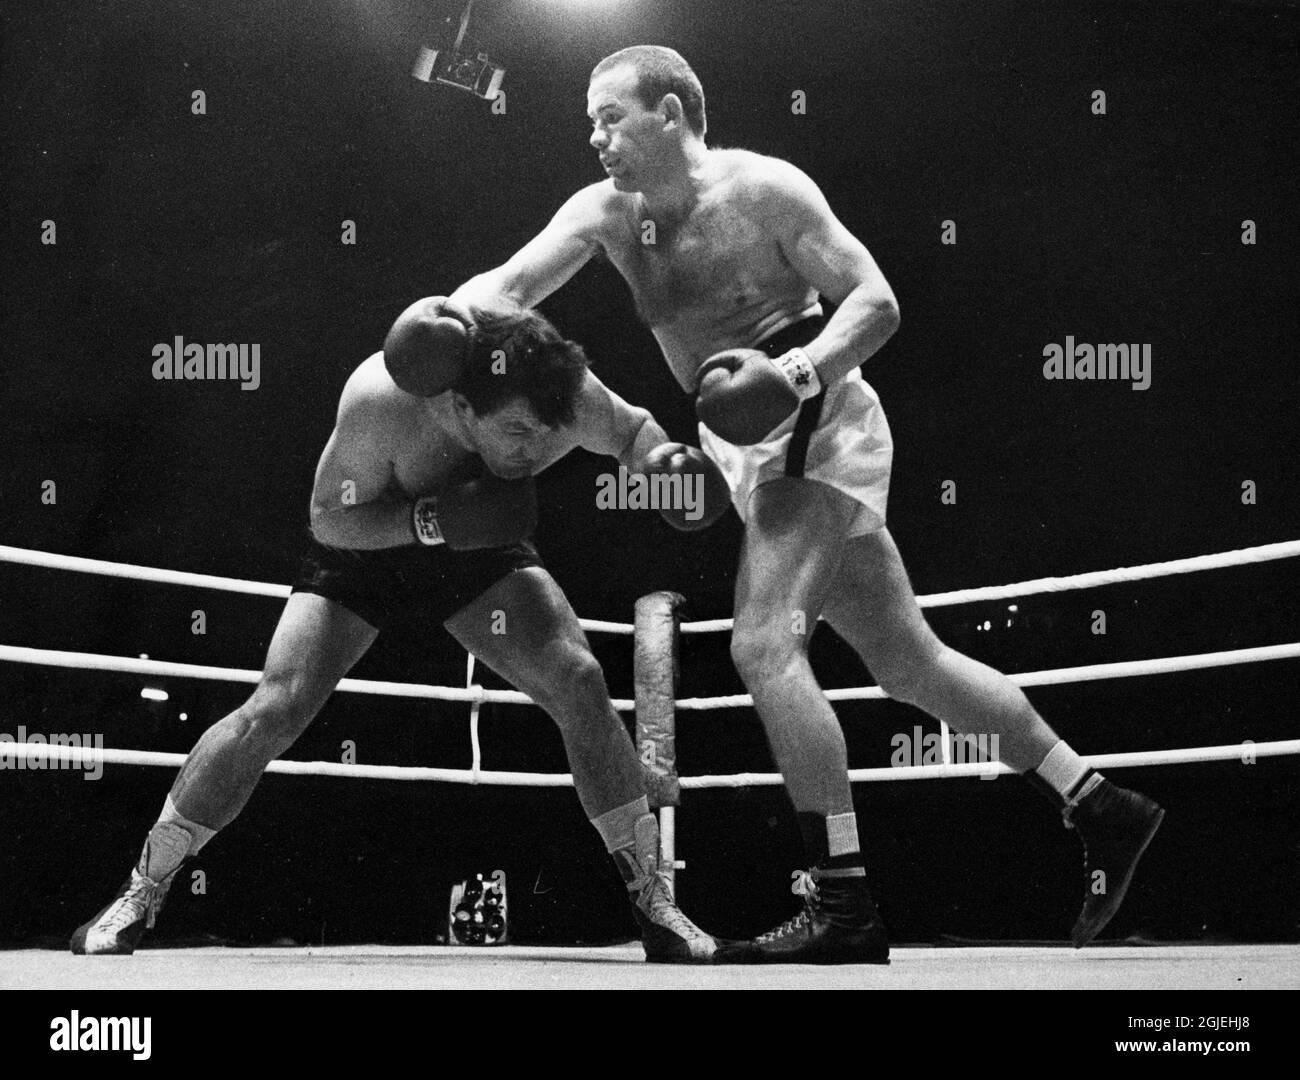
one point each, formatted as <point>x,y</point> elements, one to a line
<point>705,499</point>
<point>743,394</point>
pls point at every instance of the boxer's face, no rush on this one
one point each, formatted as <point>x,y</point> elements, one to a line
<point>629,138</point>
<point>510,441</point>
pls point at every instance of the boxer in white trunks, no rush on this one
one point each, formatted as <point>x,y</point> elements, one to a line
<point>728,255</point>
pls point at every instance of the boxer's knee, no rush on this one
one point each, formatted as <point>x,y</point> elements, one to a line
<point>765,654</point>
<point>271,720</point>
<point>573,689</point>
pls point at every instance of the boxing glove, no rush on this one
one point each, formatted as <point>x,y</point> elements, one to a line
<point>708,498</point>
<point>428,346</point>
<point>743,394</point>
<point>484,513</point>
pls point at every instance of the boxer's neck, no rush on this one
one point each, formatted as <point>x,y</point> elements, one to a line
<point>678,192</point>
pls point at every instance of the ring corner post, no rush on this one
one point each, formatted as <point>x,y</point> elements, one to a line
<point>655,668</point>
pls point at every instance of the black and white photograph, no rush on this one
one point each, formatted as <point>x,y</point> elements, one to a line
<point>651,495</point>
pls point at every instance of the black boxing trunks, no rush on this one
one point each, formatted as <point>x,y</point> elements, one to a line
<point>424,583</point>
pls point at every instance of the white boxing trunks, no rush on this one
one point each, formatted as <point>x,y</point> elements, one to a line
<point>840,438</point>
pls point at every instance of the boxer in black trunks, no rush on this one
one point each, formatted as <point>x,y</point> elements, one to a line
<point>423,506</point>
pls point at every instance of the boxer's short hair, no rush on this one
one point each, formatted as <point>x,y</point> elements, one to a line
<point>517,353</point>
<point>661,71</point>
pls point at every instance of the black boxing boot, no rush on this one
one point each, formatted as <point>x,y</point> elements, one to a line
<point>838,924</point>
<point>1116,826</point>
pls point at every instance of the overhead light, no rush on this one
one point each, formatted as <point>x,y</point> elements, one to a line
<point>152,693</point>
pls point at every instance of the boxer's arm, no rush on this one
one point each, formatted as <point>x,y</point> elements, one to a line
<point>351,502</point>
<point>609,425</point>
<point>836,263</point>
<point>547,261</point>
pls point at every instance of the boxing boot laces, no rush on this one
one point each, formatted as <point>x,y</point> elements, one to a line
<point>839,923</point>
<point>117,929</point>
<point>667,935</point>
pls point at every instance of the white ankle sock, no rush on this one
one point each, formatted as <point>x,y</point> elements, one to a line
<point>842,834</point>
<point>171,841</point>
<point>1062,769</point>
<point>617,827</point>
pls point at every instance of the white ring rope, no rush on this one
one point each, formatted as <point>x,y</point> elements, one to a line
<point>1093,579</point>
<point>51,561</point>
<point>475,707</point>
<point>475,694</point>
<point>1121,670</point>
<point>130,665</point>
<point>74,756</point>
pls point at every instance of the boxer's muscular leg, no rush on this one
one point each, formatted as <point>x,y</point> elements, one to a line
<point>794,540</point>
<point>874,609</point>
<point>315,644</point>
<point>536,644</point>
<point>524,629</point>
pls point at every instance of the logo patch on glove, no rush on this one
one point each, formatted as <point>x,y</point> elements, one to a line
<point>424,521</point>
<point>800,373</point>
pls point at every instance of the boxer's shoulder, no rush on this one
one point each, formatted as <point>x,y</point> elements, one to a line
<point>371,396</point>
<point>597,205</point>
<point>765,176</point>
<point>593,411</point>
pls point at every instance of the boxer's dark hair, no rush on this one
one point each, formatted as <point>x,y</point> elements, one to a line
<point>661,71</point>
<point>517,353</point>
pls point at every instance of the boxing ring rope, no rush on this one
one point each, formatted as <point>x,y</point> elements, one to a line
<point>1089,580</point>
<point>81,756</point>
<point>132,572</point>
<point>476,695</point>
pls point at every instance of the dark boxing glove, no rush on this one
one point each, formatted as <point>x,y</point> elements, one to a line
<point>484,513</point>
<point>743,394</point>
<point>428,346</point>
<point>710,497</point>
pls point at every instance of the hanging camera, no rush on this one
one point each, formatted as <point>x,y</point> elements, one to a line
<point>464,65</point>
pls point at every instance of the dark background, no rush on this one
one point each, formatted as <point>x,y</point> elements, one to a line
<point>225,228</point>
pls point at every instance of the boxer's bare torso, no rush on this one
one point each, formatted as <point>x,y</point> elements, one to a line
<point>394,444</point>
<point>716,277</point>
